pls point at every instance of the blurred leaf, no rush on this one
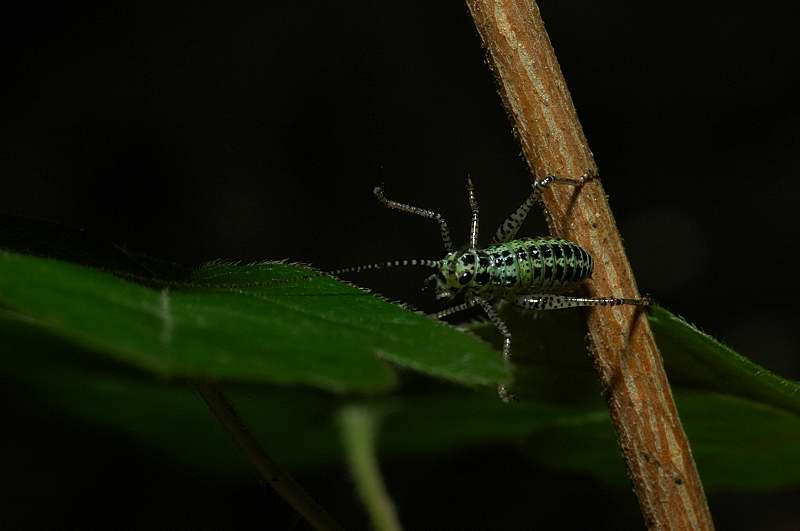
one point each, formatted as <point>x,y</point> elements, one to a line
<point>738,444</point>
<point>174,423</point>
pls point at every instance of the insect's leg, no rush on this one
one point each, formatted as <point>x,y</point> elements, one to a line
<point>502,390</point>
<point>498,323</point>
<point>557,302</point>
<point>473,205</point>
<point>541,184</point>
<point>455,309</point>
<point>511,225</point>
<point>448,243</point>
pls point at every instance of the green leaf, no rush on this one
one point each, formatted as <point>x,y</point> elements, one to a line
<point>173,422</point>
<point>696,360</point>
<point>267,322</point>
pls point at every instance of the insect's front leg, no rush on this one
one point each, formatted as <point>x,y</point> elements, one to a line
<point>557,302</point>
<point>498,323</point>
<point>502,390</point>
<point>455,309</point>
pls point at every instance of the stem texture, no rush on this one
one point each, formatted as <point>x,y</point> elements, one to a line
<point>655,447</point>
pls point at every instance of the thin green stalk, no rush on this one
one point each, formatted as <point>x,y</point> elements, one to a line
<point>359,429</point>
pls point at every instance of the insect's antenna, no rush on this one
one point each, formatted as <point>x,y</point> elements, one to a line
<point>385,265</point>
<point>446,241</point>
<point>473,205</point>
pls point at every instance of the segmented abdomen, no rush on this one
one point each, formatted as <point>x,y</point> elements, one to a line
<point>529,264</point>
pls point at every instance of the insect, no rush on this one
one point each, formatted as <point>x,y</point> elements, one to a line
<point>532,273</point>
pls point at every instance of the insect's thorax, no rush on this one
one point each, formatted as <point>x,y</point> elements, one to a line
<point>516,266</point>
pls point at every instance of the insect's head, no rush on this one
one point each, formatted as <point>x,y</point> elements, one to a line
<point>445,282</point>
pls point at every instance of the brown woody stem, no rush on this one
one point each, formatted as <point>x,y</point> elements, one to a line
<point>655,447</point>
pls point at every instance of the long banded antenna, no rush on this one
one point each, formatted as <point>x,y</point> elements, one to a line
<point>446,241</point>
<point>473,205</point>
<point>392,263</point>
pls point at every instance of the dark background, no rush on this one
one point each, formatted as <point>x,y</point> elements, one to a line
<point>257,131</point>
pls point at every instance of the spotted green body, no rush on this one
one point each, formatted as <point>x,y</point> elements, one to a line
<point>525,265</point>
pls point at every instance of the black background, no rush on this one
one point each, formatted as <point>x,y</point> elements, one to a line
<point>257,131</point>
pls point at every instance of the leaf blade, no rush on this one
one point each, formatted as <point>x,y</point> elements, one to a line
<point>270,322</point>
<point>696,360</point>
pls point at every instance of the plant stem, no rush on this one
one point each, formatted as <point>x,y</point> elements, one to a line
<point>286,487</point>
<point>358,426</point>
<point>656,450</point>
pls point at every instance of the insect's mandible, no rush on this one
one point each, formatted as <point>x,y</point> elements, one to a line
<point>530,272</point>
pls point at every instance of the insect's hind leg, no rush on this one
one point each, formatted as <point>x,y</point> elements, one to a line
<point>509,228</point>
<point>557,302</point>
<point>448,243</point>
